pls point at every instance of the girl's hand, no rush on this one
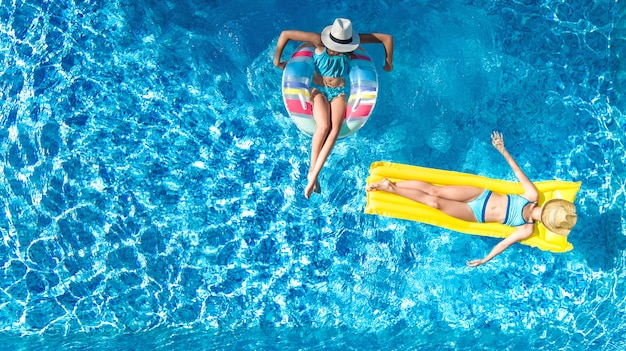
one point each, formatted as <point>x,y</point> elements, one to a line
<point>497,141</point>
<point>281,65</point>
<point>475,263</point>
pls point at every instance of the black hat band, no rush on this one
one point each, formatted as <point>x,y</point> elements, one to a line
<point>340,41</point>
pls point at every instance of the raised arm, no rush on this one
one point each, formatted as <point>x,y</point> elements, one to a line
<point>310,37</point>
<point>530,190</point>
<point>522,232</point>
<point>386,40</point>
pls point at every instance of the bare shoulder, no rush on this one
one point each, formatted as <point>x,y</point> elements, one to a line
<point>531,193</point>
<point>524,231</point>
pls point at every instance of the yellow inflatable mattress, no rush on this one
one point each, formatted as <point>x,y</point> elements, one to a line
<point>386,204</point>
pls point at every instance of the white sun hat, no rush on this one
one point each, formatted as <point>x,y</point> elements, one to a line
<point>340,37</point>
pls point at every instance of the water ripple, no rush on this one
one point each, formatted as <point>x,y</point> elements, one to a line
<point>152,182</point>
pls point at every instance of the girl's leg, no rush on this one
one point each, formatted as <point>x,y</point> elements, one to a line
<point>464,193</point>
<point>337,111</point>
<point>454,208</point>
<point>321,115</point>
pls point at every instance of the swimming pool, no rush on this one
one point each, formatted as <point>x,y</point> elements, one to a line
<point>152,181</point>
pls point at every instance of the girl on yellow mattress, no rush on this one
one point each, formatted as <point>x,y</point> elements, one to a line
<point>474,204</point>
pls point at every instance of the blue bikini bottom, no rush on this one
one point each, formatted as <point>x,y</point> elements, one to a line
<point>330,93</point>
<point>479,204</point>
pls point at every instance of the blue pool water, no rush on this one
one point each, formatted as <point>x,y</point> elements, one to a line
<point>151,181</point>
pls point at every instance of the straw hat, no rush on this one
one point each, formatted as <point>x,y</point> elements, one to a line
<point>340,37</point>
<point>559,216</point>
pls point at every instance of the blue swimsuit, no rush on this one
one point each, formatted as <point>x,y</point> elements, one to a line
<point>479,204</point>
<point>514,209</point>
<point>334,67</point>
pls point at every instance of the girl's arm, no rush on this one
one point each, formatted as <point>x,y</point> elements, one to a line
<point>285,36</point>
<point>522,232</point>
<point>530,190</point>
<point>386,40</point>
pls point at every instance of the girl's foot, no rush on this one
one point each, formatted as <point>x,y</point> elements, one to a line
<point>312,187</point>
<point>384,185</point>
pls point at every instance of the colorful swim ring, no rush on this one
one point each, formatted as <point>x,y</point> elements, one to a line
<point>390,205</point>
<point>297,78</point>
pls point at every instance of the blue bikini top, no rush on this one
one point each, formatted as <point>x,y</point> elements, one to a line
<point>331,66</point>
<point>514,211</point>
